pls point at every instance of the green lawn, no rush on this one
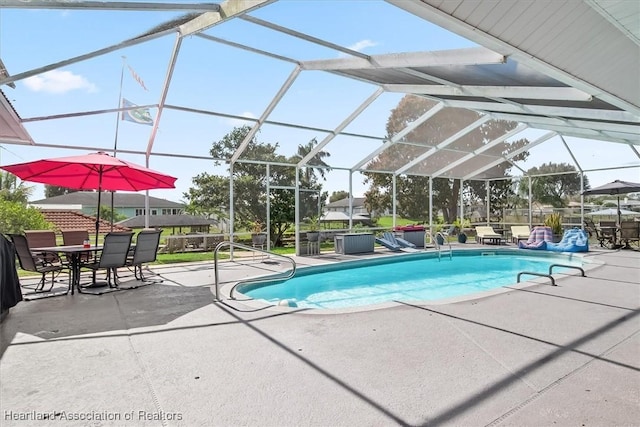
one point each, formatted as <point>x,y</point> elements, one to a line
<point>387,221</point>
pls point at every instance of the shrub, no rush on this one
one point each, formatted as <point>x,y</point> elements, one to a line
<point>555,222</point>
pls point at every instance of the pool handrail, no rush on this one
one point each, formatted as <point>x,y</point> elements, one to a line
<point>439,247</point>
<point>250,248</point>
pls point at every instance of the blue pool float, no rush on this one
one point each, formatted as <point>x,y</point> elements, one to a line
<point>574,240</point>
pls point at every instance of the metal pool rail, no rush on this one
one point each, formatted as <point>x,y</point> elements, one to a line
<point>553,281</point>
<point>250,248</point>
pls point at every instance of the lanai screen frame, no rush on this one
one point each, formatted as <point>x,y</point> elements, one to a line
<point>611,119</point>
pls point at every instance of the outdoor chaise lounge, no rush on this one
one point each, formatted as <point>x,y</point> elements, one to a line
<point>400,241</point>
<point>388,244</point>
<point>520,232</point>
<point>487,234</point>
<point>396,244</point>
<point>538,239</point>
<point>573,240</point>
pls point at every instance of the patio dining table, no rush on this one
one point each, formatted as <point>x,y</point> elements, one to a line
<point>74,252</point>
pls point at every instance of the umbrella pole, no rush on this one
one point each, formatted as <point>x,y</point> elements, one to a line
<point>98,212</point>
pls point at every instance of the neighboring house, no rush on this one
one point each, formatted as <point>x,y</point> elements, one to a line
<point>191,222</point>
<point>343,206</point>
<point>67,220</point>
<point>127,204</point>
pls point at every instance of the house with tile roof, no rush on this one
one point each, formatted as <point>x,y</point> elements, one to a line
<point>68,220</point>
<point>126,204</point>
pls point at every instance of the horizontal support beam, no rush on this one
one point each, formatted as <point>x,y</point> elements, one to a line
<point>520,92</point>
<point>545,110</point>
<point>468,56</point>
<point>110,5</point>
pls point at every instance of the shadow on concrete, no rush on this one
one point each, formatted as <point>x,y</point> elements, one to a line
<point>480,397</point>
<point>79,314</point>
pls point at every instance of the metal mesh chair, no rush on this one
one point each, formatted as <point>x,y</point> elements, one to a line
<point>76,237</point>
<point>35,263</point>
<point>114,255</point>
<point>43,238</point>
<point>145,251</point>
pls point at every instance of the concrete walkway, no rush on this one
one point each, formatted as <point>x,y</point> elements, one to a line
<point>168,355</point>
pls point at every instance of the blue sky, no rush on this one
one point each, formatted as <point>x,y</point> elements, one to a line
<point>216,77</point>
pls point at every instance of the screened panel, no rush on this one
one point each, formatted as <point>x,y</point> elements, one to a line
<point>395,157</point>
<point>476,164</point>
<point>442,125</point>
<point>436,161</point>
<point>474,139</point>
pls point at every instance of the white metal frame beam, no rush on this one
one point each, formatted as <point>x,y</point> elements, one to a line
<point>340,127</point>
<point>462,132</point>
<point>480,150</point>
<point>502,159</point>
<point>446,21</point>
<point>272,105</point>
<point>397,137</point>
<point>468,56</point>
<point>110,5</point>
<point>520,92</point>
<point>547,110</point>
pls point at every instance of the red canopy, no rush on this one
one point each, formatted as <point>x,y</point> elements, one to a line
<point>95,171</point>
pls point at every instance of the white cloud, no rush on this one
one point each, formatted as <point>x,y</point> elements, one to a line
<point>362,45</point>
<point>58,82</point>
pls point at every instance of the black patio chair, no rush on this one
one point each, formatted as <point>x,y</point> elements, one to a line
<point>145,251</point>
<point>113,255</point>
<point>76,237</point>
<point>43,238</point>
<point>37,264</point>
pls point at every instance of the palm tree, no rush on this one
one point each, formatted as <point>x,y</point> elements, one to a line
<point>309,175</point>
<point>11,191</point>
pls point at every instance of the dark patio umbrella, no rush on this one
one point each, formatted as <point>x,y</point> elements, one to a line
<point>615,188</point>
<point>95,171</point>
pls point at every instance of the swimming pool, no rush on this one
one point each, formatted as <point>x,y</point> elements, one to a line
<point>410,277</point>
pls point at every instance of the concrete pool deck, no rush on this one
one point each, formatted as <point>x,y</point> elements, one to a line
<point>167,354</point>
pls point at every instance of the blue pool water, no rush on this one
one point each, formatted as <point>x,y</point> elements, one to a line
<point>414,277</point>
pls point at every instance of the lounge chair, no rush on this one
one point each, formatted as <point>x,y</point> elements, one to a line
<point>391,245</point>
<point>404,245</point>
<point>520,232</point>
<point>573,240</point>
<point>539,238</point>
<point>398,240</point>
<point>487,233</point>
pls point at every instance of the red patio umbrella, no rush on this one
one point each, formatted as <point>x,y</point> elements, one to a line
<point>96,171</point>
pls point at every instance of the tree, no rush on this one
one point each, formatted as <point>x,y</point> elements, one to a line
<point>412,188</point>
<point>11,191</point>
<point>106,214</point>
<point>15,217</point>
<point>309,173</point>
<point>553,188</point>
<point>210,193</point>
<point>338,195</point>
<point>54,190</point>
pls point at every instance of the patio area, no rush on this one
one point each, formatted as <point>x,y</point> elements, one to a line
<point>167,354</point>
